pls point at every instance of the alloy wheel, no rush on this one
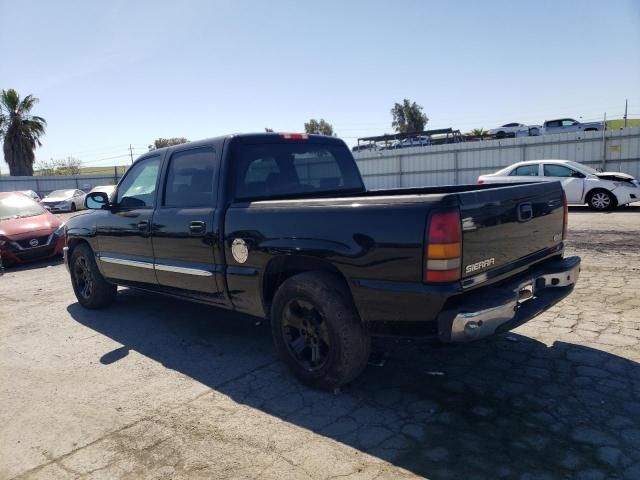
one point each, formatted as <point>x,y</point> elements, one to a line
<point>306,334</point>
<point>83,277</point>
<point>600,200</point>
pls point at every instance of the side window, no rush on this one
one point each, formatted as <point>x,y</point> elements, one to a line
<point>138,188</point>
<point>525,171</point>
<point>553,124</point>
<point>568,122</point>
<point>551,170</point>
<point>190,179</point>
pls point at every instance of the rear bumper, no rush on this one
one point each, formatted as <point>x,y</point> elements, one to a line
<point>500,308</point>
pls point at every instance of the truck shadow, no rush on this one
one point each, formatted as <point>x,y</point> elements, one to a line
<point>501,408</point>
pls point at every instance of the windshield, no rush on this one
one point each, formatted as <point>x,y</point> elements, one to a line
<point>61,193</point>
<point>104,188</point>
<point>269,170</point>
<point>18,206</point>
<point>583,168</point>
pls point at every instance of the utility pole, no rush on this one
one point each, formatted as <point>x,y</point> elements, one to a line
<point>626,104</point>
<point>131,153</point>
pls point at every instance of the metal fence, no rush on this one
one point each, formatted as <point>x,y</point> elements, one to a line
<point>45,185</point>
<point>615,150</point>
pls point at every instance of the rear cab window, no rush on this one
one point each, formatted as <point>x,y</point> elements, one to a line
<point>290,168</point>
<point>190,178</point>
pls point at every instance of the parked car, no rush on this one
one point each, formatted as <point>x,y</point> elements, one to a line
<point>420,141</point>
<point>27,231</point>
<point>280,226</point>
<point>581,184</point>
<point>108,189</point>
<point>64,200</point>
<point>514,130</point>
<point>31,194</point>
<point>564,125</point>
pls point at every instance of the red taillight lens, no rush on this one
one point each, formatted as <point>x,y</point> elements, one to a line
<point>444,247</point>
<point>479,181</point>
<point>565,213</point>
<point>295,136</point>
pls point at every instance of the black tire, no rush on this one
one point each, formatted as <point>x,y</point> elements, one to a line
<point>601,200</point>
<point>501,135</point>
<point>73,207</point>
<point>91,289</point>
<point>314,311</point>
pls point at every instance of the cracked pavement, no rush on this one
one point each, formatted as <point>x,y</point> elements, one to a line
<point>155,388</point>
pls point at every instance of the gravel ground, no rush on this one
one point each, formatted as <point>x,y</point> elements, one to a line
<point>158,388</point>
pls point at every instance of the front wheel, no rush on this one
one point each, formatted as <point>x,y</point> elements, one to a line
<point>90,287</point>
<point>601,200</point>
<point>317,331</point>
<point>73,207</point>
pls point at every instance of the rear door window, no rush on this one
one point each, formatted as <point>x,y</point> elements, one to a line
<point>525,171</point>
<point>190,178</point>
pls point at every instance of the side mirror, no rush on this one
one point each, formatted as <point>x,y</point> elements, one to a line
<point>97,201</point>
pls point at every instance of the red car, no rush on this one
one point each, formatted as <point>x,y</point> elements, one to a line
<point>27,231</point>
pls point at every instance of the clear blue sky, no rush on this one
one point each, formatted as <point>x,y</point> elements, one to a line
<point>111,73</point>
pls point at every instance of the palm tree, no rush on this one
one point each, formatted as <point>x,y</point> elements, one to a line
<point>20,131</point>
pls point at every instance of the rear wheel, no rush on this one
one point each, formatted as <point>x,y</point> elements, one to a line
<point>90,287</point>
<point>601,200</point>
<point>317,331</point>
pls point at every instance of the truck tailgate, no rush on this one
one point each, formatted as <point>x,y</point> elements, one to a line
<point>503,226</point>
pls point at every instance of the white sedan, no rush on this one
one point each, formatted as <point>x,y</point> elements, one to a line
<point>582,184</point>
<point>514,130</point>
<point>64,200</point>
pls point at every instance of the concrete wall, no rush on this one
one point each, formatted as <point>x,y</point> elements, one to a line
<point>44,185</point>
<point>463,162</point>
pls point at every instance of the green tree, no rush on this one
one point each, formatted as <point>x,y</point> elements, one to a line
<point>408,117</point>
<point>63,166</point>
<point>167,142</point>
<point>478,132</point>
<point>320,127</point>
<point>20,131</point>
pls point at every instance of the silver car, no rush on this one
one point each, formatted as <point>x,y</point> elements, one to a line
<point>64,201</point>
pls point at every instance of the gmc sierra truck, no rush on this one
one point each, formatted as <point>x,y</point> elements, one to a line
<point>280,226</point>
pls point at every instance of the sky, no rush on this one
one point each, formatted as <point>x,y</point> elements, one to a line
<point>110,74</point>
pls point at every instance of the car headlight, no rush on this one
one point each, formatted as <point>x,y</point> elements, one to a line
<point>60,231</point>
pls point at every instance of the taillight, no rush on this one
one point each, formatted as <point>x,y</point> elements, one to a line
<point>294,136</point>
<point>479,181</point>
<point>565,214</point>
<point>443,247</point>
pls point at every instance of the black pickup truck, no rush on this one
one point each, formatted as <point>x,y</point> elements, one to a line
<point>280,226</point>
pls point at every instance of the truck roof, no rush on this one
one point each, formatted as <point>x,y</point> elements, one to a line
<point>266,137</point>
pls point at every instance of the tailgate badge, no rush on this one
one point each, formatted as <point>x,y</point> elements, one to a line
<point>239,250</point>
<point>474,267</point>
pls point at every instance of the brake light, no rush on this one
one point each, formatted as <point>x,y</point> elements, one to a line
<point>565,214</point>
<point>479,181</point>
<point>444,247</point>
<point>294,136</point>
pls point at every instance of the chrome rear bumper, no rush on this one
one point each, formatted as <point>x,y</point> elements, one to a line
<point>491,310</point>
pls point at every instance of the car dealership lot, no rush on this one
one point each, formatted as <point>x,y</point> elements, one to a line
<point>158,388</point>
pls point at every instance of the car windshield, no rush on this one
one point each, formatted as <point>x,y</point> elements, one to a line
<point>61,193</point>
<point>18,206</point>
<point>104,188</point>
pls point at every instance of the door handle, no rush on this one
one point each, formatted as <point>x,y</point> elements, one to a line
<point>144,225</point>
<point>197,227</point>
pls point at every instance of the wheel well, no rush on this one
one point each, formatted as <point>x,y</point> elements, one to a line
<point>73,242</point>
<point>282,268</point>
<point>600,189</point>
